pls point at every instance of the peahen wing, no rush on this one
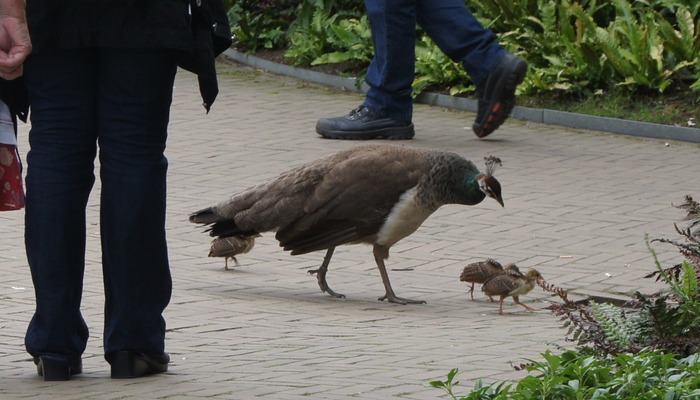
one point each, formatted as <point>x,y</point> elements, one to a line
<point>354,198</point>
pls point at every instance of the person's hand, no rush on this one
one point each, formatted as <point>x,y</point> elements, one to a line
<point>15,44</point>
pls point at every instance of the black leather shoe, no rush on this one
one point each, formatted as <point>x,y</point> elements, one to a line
<point>497,97</point>
<point>57,369</point>
<point>363,124</point>
<point>133,364</point>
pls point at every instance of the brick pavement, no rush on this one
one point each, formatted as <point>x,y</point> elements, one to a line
<point>578,205</point>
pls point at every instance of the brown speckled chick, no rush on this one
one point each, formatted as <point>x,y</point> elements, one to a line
<point>511,285</point>
<point>229,247</point>
<point>480,272</point>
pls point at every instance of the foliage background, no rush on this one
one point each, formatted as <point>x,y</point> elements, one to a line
<point>578,47</point>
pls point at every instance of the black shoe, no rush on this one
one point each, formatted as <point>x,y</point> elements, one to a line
<point>57,369</point>
<point>133,364</point>
<point>363,124</point>
<point>497,98</point>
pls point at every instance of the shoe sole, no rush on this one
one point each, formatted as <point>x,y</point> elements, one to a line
<point>52,370</point>
<point>500,110</point>
<point>394,133</point>
<point>127,365</point>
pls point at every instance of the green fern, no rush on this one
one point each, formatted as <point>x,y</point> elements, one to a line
<point>351,40</point>
<point>612,321</point>
<point>635,45</point>
<point>683,39</point>
<point>434,68</point>
<point>258,25</point>
<point>625,329</point>
<point>312,33</point>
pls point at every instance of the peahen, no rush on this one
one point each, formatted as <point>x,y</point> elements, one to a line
<point>375,194</point>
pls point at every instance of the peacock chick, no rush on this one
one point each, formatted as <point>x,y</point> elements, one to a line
<point>480,272</point>
<point>512,269</point>
<point>512,284</point>
<point>229,247</point>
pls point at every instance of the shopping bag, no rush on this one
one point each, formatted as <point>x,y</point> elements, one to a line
<point>11,189</point>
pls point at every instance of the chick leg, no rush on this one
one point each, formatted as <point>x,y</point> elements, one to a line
<point>500,305</point>
<point>471,291</point>
<point>517,301</point>
<point>380,254</point>
<point>321,275</point>
<point>226,268</point>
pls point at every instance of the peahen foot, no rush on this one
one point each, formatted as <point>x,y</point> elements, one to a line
<point>392,298</point>
<point>321,276</point>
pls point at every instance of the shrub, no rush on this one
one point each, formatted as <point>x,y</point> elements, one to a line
<point>574,46</point>
<point>584,375</point>
<point>647,350</point>
<point>261,24</point>
<point>669,321</point>
<point>321,35</point>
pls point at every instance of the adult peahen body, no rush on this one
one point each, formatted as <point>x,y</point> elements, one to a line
<point>376,194</point>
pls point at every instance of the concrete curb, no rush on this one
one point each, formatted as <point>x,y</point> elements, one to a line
<point>544,116</point>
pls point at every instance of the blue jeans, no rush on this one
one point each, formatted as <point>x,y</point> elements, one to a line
<point>451,26</point>
<point>120,100</point>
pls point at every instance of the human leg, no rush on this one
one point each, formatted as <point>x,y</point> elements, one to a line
<point>135,95</point>
<point>463,38</point>
<point>60,166</point>
<point>391,72</point>
<point>388,106</point>
<point>458,34</point>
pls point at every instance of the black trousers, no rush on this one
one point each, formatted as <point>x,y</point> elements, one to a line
<point>116,101</point>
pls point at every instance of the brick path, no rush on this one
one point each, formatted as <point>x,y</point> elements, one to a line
<point>578,206</point>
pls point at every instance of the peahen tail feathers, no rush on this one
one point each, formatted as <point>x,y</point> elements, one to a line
<point>220,226</point>
<point>204,216</point>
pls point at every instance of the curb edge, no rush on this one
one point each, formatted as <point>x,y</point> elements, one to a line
<point>544,116</point>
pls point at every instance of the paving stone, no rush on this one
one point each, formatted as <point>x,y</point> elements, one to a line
<point>578,205</point>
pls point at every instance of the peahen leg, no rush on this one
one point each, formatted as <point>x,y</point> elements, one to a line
<point>321,275</point>
<point>380,254</point>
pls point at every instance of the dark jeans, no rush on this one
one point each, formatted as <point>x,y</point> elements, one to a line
<point>120,100</point>
<point>451,26</point>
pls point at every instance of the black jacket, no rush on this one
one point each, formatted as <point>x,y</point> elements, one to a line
<point>199,28</point>
<point>211,32</point>
<point>13,94</point>
<point>109,23</point>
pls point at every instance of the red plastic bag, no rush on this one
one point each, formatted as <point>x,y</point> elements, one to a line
<point>11,189</point>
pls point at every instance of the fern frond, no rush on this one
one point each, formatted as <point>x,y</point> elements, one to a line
<point>614,324</point>
<point>561,292</point>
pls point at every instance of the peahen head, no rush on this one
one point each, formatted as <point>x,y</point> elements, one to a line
<point>488,183</point>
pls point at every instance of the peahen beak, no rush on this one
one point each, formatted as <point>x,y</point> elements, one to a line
<point>500,201</point>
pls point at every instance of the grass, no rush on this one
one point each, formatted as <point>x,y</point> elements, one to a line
<point>670,109</point>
